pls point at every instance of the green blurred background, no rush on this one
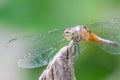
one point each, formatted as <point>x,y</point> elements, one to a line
<point>35,16</point>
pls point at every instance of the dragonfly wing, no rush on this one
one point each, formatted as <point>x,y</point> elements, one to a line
<point>37,40</point>
<point>108,29</point>
<point>37,58</point>
<point>40,48</point>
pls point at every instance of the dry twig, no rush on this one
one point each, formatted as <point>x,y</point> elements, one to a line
<point>61,67</point>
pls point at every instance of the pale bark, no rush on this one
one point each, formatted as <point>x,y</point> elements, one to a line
<point>61,67</point>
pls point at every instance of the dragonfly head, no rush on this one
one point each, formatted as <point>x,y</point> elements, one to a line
<point>70,34</point>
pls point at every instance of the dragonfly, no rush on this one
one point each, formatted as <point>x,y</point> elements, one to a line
<point>42,47</point>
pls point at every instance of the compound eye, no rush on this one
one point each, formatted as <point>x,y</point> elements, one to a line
<point>67,33</point>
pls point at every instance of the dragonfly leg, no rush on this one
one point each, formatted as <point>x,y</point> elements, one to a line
<point>78,49</point>
<point>74,52</point>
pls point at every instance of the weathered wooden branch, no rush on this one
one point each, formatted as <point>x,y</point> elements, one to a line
<point>61,67</point>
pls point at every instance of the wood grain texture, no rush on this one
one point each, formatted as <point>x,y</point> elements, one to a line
<point>61,67</point>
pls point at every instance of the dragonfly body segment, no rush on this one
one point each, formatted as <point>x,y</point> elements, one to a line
<point>81,33</point>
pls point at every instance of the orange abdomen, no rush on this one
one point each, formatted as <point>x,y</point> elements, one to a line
<point>95,38</point>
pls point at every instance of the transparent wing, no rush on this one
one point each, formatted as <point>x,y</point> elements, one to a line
<point>108,29</point>
<point>37,40</point>
<point>40,48</point>
<point>38,57</point>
